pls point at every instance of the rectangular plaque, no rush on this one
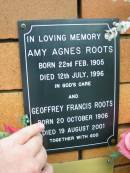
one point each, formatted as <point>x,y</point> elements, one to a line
<point>90,165</point>
<point>70,81</point>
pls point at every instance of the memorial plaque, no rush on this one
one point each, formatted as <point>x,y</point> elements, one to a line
<point>70,81</point>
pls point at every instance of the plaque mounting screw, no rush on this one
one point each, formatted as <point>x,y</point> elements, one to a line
<point>23,25</point>
<point>109,161</point>
<point>113,141</point>
<point>114,23</point>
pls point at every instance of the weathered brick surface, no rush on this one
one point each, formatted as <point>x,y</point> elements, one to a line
<point>63,157</point>
<point>12,11</point>
<point>11,109</point>
<point>105,9</point>
<point>125,60</point>
<point>124,106</point>
<point>10,73</point>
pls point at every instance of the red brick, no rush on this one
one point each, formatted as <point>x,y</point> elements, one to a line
<point>105,9</point>
<point>12,11</point>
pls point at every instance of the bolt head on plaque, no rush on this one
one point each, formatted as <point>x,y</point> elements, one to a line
<point>23,25</point>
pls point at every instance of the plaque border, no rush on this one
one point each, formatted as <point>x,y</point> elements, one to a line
<point>115,78</point>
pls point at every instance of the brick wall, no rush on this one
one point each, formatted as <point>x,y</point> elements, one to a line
<point>11,98</point>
